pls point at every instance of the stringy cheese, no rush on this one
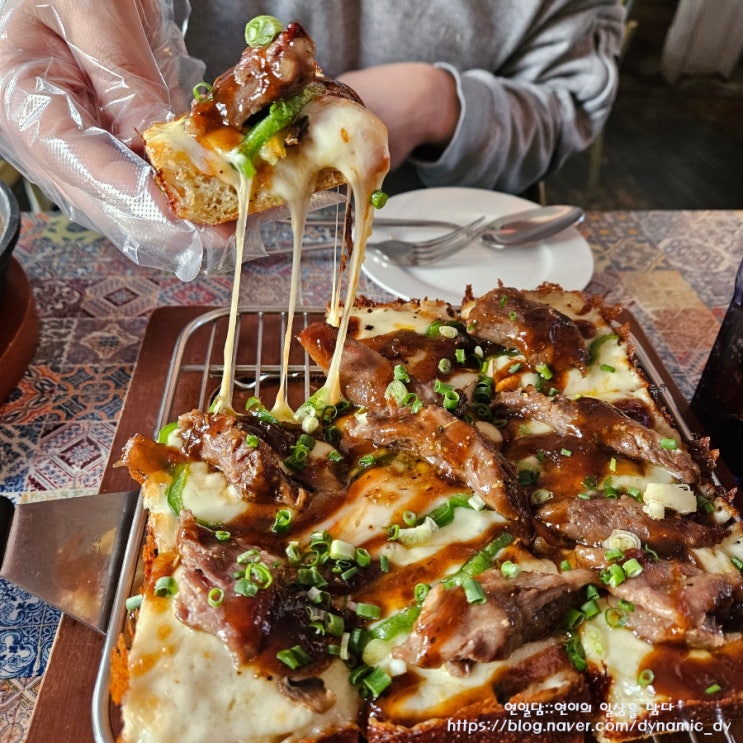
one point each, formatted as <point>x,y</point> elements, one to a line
<point>343,135</point>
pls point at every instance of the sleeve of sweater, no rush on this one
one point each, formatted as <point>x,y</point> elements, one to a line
<point>548,101</point>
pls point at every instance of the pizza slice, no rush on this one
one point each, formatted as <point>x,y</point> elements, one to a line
<point>275,120</point>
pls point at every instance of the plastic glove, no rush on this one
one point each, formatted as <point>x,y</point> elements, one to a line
<point>80,79</point>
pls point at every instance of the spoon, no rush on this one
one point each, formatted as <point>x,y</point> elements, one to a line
<point>519,228</point>
<point>530,225</point>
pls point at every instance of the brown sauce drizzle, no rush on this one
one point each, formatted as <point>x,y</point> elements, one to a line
<point>681,674</point>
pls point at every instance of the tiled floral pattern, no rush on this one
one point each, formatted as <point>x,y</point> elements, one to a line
<point>672,270</point>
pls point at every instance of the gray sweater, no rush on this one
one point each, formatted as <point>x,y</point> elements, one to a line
<point>536,78</point>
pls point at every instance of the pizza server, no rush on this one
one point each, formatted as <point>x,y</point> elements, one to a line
<point>68,551</point>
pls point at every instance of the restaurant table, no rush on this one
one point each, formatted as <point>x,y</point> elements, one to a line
<point>58,429</point>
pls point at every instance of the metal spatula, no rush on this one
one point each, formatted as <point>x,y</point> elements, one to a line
<point>68,551</point>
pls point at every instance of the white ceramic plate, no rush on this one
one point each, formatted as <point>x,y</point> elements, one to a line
<point>564,259</point>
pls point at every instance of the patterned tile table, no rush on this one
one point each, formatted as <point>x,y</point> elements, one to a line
<point>673,270</point>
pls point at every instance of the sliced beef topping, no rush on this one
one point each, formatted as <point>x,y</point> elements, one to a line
<point>454,447</point>
<point>263,75</point>
<point>421,354</point>
<point>241,622</point>
<point>143,456</point>
<point>600,421</point>
<point>591,522</point>
<point>542,333</point>
<point>675,601</point>
<point>517,610</point>
<point>218,440</point>
<point>364,373</point>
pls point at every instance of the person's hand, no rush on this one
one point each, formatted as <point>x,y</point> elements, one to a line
<point>80,80</point>
<point>417,102</point>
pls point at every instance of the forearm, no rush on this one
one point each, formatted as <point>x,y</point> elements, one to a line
<point>518,125</point>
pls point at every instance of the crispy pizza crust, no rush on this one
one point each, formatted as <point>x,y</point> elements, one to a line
<point>201,186</point>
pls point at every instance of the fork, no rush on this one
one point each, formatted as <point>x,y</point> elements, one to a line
<point>407,253</point>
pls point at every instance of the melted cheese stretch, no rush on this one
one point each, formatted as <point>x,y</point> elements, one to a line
<point>342,135</point>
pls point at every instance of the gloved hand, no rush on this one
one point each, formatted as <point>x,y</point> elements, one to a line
<point>80,79</point>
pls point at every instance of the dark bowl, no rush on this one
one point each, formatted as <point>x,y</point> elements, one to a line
<point>10,225</point>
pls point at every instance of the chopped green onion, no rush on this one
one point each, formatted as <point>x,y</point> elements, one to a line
<point>251,555</point>
<point>614,554</point>
<point>607,368</point>
<point>573,619</point>
<point>262,30</point>
<point>294,657</point>
<point>565,565</point>
<point>409,518</point>
<point>397,624</point>
<point>625,605</point>
<point>384,563</point>
<point>375,682</point>
<point>244,587</point>
<point>202,91</point>
<point>283,521</point>
<point>165,431</point>
<point>417,534</point>
<point>592,593</point>
<point>215,597</point>
<point>444,365</point>
<point>669,444</point>
<point>632,568</point>
<point>515,367</point>
<point>540,496</point>
<point>510,569</point>
<point>544,371</point>
<point>421,591</point>
<point>460,355</point>
<point>368,460</point>
<point>298,454</point>
<point>615,617</point>
<point>252,441</point>
<point>258,573</point>
<point>293,553</point>
<point>400,374</point>
<point>335,456</point>
<point>646,677</point>
<point>566,452</point>
<point>479,562</point>
<point>713,689</point>
<point>474,592</point>
<point>590,609</point>
<point>368,611</point>
<point>257,408</point>
<point>444,514</point>
<point>340,550</point>
<point>737,562</point>
<point>222,536</point>
<point>576,653</point>
<point>378,199</point>
<point>613,575</point>
<point>174,492</point>
<point>363,558</point>
<point>528,477</point>
<point>134,602</point>
<point>595,346</point>
<point>311,577</point>
<point>476,502</point>
<point>166,586</point>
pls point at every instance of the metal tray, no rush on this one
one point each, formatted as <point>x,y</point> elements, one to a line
<point>193,379</point>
